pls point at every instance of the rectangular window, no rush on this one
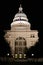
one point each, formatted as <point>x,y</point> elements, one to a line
<point>20,55</point>
<point>20,50</point>
<point>16,55</point>
<point>20,43</point>
<point>32,36</point>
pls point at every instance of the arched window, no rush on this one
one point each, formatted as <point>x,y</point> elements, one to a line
<point>20,44</point>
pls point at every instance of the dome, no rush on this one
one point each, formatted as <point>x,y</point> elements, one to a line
<point>20,14</point>
<point>20,18</point>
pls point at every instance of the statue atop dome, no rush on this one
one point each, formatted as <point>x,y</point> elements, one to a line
<point>20,8</point>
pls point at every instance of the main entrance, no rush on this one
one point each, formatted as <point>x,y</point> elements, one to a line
<point>20,45</point>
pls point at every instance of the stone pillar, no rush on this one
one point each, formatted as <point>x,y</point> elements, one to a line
<point>12,47</point>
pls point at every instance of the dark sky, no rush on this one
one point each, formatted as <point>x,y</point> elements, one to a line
<point>34,12</point>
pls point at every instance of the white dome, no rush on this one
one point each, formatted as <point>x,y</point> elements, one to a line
<point>20,14</point>
<point>20,23</point>
<point>20,18</point>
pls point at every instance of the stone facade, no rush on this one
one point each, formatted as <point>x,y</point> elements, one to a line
<point>21,31</point>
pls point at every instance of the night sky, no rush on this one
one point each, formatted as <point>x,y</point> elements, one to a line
<point>34,11</point>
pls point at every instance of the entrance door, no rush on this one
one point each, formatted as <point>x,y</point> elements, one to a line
<point>20,45</point>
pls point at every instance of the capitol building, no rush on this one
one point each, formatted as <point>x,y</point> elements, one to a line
<point>20,36</point>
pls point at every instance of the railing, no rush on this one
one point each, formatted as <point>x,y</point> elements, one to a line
<point>11,59</point>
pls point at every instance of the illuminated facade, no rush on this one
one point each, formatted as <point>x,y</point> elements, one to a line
<point>21,36</point>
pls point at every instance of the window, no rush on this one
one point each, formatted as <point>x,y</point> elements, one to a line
<point>24,43</point>
<point>24,55</point>
<point>16,55</point>
<point>20,55</point>
<point>16,43</point>
<point>20,38</point>
<point>16,49</point>
<point>20,50</point>
<point>32,35</point>
<point>20,44</point>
